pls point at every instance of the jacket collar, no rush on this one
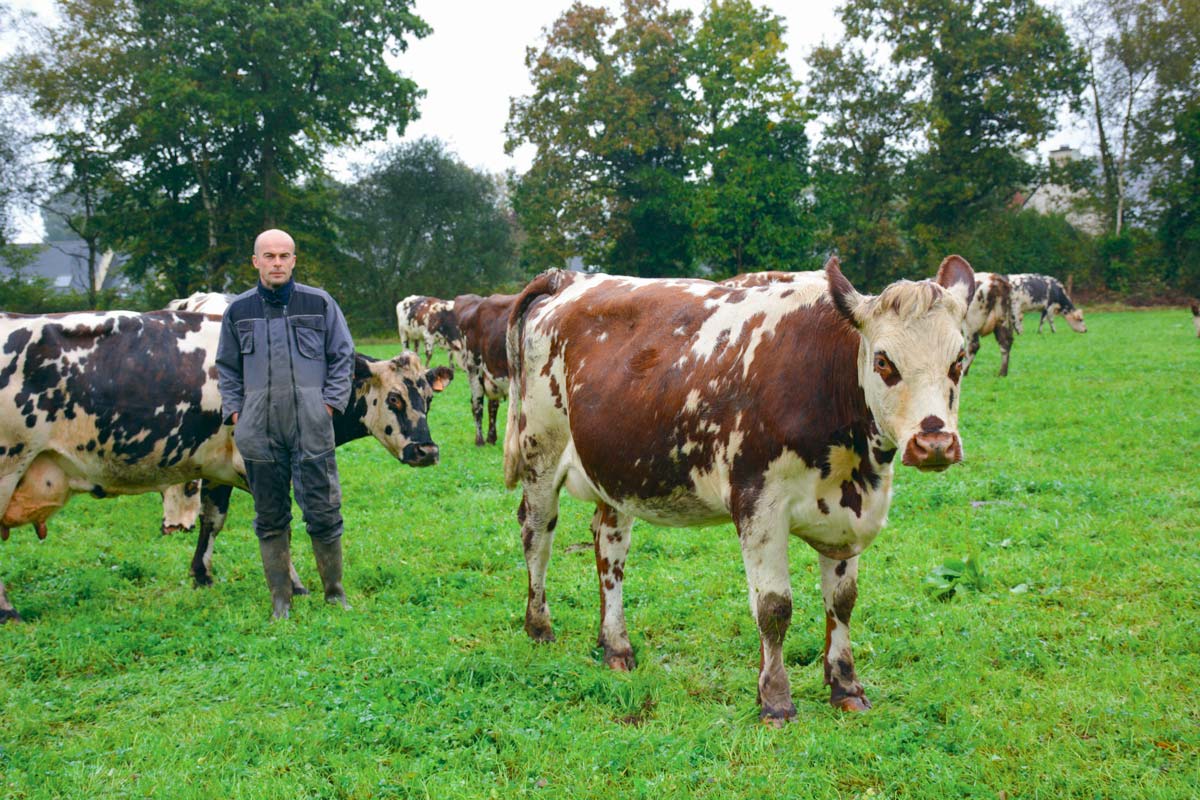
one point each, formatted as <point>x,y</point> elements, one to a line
<point>278,297</point>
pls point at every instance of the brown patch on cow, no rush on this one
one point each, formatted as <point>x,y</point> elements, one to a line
<point>643,361</point>
<point>841,569</point>
<point>822,506</point>
<point>774,616</point>
<point>844,599</point>
<point>830,627</point>
<point>851,497</point>
<point>932,424</point>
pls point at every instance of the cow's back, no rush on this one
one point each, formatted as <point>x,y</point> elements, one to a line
<point>678,394</point>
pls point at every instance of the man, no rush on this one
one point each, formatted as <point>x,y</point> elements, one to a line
<point>284,362</point>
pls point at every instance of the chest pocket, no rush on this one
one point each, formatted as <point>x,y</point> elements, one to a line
<point>245,335</point>
<point>310,335</point>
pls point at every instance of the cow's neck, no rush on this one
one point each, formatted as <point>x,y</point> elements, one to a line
<point>349,425</point>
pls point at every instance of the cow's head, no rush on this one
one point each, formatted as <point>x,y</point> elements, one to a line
<point>446,325</point>
<point>1074,318</point>
<point>910,358</point>
<point>393,397</point>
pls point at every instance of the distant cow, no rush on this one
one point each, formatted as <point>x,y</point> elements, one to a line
<point>686,403</point>
<point>1196,317</point>
<point>429,321</point>
<point>1032,292</point>
<point>991,311</point>
<point>482,321</point>
<point>124,403</point>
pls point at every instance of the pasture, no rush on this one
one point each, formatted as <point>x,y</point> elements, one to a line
<point>1063,664</point>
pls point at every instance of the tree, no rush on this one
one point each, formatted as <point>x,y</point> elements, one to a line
<point>421,222</point>
<point>215,113</point>
<point>869,118</point>
<point>611,116</point>
<point>993,75</point>
<point>751,157</point>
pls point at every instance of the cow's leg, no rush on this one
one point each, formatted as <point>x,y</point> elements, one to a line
<point>493,409</point>
<point>839,587</point>
<point>428,350</point>
<point>764,553</point>
<point>538,515</point>
<point>214,508</point>
<point>1050,319</point>
<point>1004,338</point>
<point>610,534</point>
<point>476,380</point>
<point>1042,321</point>
<point>972,349</point>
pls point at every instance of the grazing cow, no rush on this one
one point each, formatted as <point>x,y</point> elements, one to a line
<point>124,403</point>
<point>482,321</point>
<point>181,503</point>
<point>685,402</point>
<point>430,321</point>
<point>1196,317</point>
<point>992,310</point>
<point>1031,292</point>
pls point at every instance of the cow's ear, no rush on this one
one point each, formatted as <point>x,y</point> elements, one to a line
<point>362,366</point>
<point>845,299</point>
<point>956,276</point>
<point>439,377</point>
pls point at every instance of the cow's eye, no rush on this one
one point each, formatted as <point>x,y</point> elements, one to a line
<point>395,400</point>
<point>886,369</point>
<point>957,367</point>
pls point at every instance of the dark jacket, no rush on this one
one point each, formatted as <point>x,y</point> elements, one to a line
<point>279,366</point>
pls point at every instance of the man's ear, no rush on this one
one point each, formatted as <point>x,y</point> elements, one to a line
<point>956,276</point>
<point>845,299</point>
<point>439,377</point>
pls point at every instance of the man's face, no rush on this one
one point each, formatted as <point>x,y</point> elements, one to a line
<point>275,258</point>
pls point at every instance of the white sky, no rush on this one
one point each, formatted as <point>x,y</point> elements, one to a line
<point>473,63</point>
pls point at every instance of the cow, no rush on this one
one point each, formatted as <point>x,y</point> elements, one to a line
<point>992,310</point>
<point>1032,292</point>
<point>687,403</point>
<point>1196,317</point>
<point>118,402</point>
<point>181,503</point>
<point>483,321</point>
<point>430,321</point>
<point>203,302</point>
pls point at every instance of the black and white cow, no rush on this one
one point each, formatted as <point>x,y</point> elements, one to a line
<point>1033,292</point>
<point>992,311</point>
<point>781,407</point>
<point>429,321</point>
<point>124,403</point>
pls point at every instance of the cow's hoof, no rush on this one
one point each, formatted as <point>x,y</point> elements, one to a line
<point>777,716</point>
<point>851,702</point>
<point>479,442</point>
<point>201,580</point>
<point>9,615</point>
<point>539,632</point>
<point>620,662</point>
<point>298,588</point>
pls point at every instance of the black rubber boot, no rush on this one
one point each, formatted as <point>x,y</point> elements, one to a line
<point>329,564</point>
<point>277,562</point>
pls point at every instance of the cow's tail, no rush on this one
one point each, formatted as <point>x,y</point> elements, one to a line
<point>544,285</point>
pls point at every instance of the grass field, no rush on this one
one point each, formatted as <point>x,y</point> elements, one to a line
<point>1064,665</point>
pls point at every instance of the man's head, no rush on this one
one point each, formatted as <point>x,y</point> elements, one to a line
<point>274,258</point>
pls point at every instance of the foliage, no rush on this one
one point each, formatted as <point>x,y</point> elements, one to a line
<point>215,114</point>
<point>419,222</point>
<point>125,681</point>
<point>954,574</point>
<point>661,145</point>
<point>1012,241</point>
<point>993,74</point>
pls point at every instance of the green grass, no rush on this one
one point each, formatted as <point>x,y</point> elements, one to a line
<point>1066,667</point>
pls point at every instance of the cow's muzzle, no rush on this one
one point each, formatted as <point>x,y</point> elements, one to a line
<point>420,455</point>
<point>933,451</point>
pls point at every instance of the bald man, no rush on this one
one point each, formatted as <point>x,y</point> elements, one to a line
<point>284,363</point>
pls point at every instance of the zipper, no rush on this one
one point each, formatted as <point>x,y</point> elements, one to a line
<point>287,328</point>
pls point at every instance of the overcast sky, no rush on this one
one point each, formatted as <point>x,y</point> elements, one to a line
<point>474,62</point>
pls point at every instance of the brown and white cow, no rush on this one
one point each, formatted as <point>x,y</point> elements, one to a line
<point>992,311</point>
<point>685,403</point>
<point>483,322</point>
<point>124,403</point>
<point>429,321</point>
